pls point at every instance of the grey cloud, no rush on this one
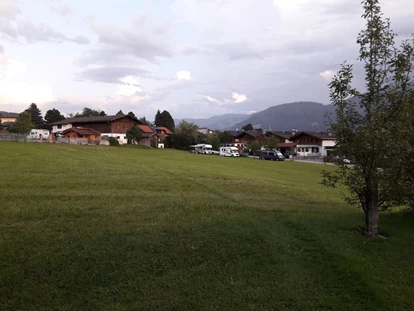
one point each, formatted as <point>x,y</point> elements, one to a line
<point>112,74</point>
<point>14,26</point>
<point>142,40</point>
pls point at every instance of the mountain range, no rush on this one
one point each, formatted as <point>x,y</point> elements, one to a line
<point>221,122</point>
<point>303,116</point>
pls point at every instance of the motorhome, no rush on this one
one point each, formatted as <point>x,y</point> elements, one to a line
<point>229,152</point>
<point>201,148</point>
<point>38,134</point>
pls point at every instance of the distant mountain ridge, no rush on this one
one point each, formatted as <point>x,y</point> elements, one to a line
<point>220,122</point>
<point>303,116</point>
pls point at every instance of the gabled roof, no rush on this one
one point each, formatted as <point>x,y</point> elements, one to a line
<point>6,124</point>
<point>9,115</point>
<point>145,129</point>
<point>250,133</point>
<point>284,134</point>
<point>82,131</point>
<point>318,135</point>
<point>163,128</point>
<point>97,119</point>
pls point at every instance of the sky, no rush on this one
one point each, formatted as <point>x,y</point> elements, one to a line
<point>194,58</point>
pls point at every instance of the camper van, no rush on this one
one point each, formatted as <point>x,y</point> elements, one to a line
<point>201,148</point>
<point>229,152</point>
<point>38,134</point>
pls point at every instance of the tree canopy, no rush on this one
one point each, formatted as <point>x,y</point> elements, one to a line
<point>164,119</point>
<point>53,115</point>
<point>120,113</point>
<point>185,135</point>
<point>372,127</point>
<point>23,124</point>
<point>271,142</point>
<point>36,116</point>
<point>144,121</point>
<point>248,127</point>
<point>89,112</point>
<point>134,135</point>
<point>131,114</point>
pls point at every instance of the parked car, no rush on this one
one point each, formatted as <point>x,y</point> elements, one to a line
<point>271,155</point>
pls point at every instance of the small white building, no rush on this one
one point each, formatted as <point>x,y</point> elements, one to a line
<point>38,134</point>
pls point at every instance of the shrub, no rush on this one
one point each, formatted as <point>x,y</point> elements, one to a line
<point>113,141</point>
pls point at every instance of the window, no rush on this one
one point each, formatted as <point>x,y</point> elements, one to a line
<point>118,137</point>
<point>59,126</point>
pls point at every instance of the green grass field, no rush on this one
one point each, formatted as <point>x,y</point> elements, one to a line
<point>127,228</point>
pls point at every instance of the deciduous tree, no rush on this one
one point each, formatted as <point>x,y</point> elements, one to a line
<point>270,142</point>
<point>134,135</point>
<point>23,124</point>
<point>373,129</point>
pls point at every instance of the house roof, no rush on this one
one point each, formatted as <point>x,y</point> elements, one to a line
<point>9,115</point>
<point>97,119</point>
<point>250,133</point>
<point>318,135</point>
<point>286,145</point>
<point>284,134</point>
<point>6,124</point>
<point>82,131</point>
<point>163,128</point>
<point>145,129</point>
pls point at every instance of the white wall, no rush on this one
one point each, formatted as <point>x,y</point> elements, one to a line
<point>63,127</point>
<point>328,143</point>
<point>38,133</point>
<point>121,137</point>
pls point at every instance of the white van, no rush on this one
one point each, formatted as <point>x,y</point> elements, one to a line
<point>229,152</point>
<point>38,134</point>
<point>201,148</point>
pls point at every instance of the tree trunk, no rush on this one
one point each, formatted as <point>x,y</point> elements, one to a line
<point>371,214</point>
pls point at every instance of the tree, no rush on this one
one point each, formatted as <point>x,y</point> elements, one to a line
<point>254,147</point>
<point>225,137</point>
<point>36,115</point>
<point>120,113</point>
<point>144,121</point>
<point>134,135</point>
<point>53,115</point>
<point>131,114</point>
<point>372,128</point>
<point>215,141</point>
<point>157,119</point>
<point>88,112</point>
<point>248,127</point>
<point>165,119</point>
<point>185,135</point>
<point>23,124</point>
<point>271,142</point>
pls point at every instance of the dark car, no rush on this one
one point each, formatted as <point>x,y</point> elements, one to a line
<point>271,155</point>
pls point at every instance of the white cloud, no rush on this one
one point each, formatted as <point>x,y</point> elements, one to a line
<point>327,74</point>
<point>239,98</point>
<point>236,99</point>
<point>184,75</point>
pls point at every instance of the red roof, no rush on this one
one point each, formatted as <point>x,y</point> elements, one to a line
<point>145,128</point>
<point>82,131</point>
<point>162,128</point>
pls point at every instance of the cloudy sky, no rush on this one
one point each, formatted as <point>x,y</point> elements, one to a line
<point>194,58</point>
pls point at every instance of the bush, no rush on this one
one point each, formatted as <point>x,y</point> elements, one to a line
<point>113,141</point>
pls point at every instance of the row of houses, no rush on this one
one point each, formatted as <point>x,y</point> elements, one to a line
<point>100,128</point>
<point>303,143</point>
<point>95,129</point>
